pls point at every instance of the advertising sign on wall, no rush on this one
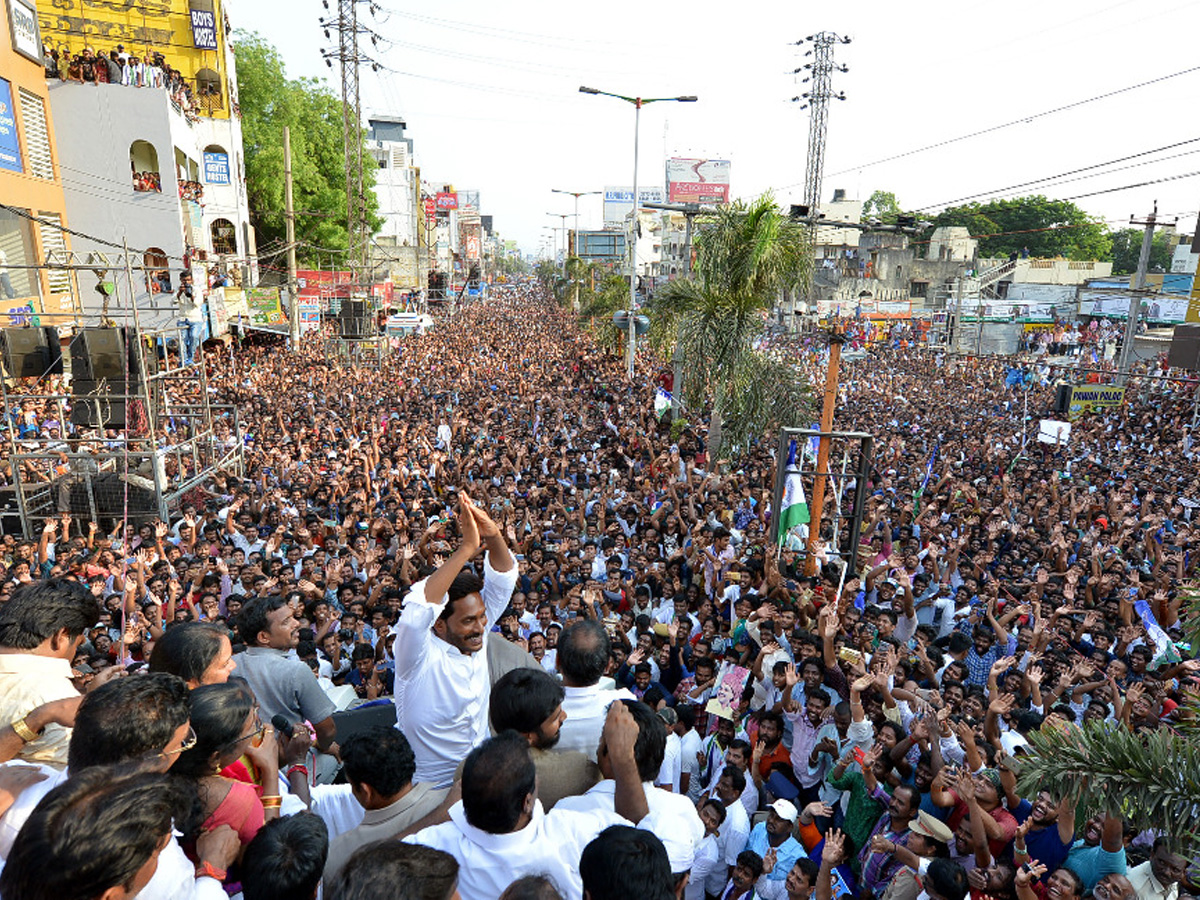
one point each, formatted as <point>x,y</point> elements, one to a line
<point>10,147</point>
<point>265,307</point>
<point>1088,397</point>
<point>26,40</point>
<point>216,168</point>
<point>698,180</point>
<point>204,29</point>
<point>446,201</point>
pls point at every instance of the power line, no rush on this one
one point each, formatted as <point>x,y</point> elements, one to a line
<point>1129,187</point>
<point>1024,184</point>
<point>1023,120</point>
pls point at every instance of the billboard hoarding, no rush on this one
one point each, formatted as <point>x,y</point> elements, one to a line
<point>618,201</point>
<point>446,201</point>
<point>697,180</point>
<point>468,201</point>
<point>10,147</point>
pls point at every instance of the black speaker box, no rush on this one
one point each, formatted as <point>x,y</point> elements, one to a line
<point>31,352</point>
<point>1184,352</point>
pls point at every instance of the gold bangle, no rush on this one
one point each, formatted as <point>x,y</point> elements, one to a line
<point>271,802</point>
<point>24,732</point>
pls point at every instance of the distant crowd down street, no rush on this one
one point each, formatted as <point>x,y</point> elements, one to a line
<point>478,621</point>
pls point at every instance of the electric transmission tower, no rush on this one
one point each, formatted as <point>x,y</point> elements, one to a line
<point>349,59</point>
<point>817,75</point>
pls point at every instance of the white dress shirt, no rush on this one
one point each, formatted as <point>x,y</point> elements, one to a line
<point>672,817</point>
<point>550,844</point>
<point>586,709</point>
<point>707,863</point>
<point>27,680</point>
<point>672,766</point>
<point>731,839</point>
<point>442,693</point>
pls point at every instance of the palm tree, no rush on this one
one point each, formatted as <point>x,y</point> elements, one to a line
<point>747,253</point>
<point>1152,780</point>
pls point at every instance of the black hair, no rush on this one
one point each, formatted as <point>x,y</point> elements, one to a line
<point>127,718</point>
<point>464,584</point>
<point>958,643</point>
<point>583,653</point>
<point>947,878</point>
<point>218,714</point>
<point>41,609</point>
<point>687,715</point>
<point>497,777</point>
<point>286,859</point>
<point>253,618</point>
<point>187,650</point>
<point>532,887</point>
<point>809,868</point>
<point>736,777</point>
<point>361,652</point>
<point>380,757</point>
<point>748,859</point>
<point>651,744</point>
<point>623,862</point>
<point>393,870</point>
<point>523,699</point>
<point>92,833</point>
<point>717,807</point>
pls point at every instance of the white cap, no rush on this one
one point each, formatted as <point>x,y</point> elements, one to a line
<point>785,810</point>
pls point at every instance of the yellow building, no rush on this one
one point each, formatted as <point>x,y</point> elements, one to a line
<point>191,35</point>
<point>30,181</point>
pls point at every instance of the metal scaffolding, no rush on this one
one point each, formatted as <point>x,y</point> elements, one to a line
<point>133,448</point>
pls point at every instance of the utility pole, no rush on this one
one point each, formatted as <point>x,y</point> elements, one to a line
<point>1139,290</point>
<point>836,339</point>
<point>816,99</point>
<point>349,28</point>
<point>290,220</point>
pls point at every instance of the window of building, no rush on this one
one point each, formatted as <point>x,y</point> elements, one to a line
<point>16,253</point>
<point>918,289</point>
<point>158,275</point>
<point>37,135</point>
<point>143,161</point>
<point>208,90</point>
<point>224,237</point>
<point>51,234</point>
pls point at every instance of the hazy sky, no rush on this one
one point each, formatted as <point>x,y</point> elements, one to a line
<point>490,95</point>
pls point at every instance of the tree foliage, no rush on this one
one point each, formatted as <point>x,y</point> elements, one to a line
<point>270,100</point>
<point>1127,247</point>
<point>746,254</point>
<point>883,205</point>
<point>1046,228</point>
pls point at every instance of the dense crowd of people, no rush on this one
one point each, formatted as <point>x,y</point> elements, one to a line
<point>606,678</point>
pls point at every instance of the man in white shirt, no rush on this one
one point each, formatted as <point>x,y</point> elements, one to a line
<point>499,832</point>
<point>442,682</point>
<point>670,775</point>
<point>735,830</point>
<point>582,658</point>
<point>672,817</point>
<point>1158,878</point>
<point>41,628</point>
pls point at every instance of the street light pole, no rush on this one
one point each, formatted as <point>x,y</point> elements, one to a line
<point>638,103</point>
<point>576,195</point>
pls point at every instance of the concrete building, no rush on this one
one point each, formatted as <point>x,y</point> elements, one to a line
<point>30,179</point>
<point>398,250</point>
<point>157,160</point>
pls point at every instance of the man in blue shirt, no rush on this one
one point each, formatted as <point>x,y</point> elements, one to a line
<point>773,841</point>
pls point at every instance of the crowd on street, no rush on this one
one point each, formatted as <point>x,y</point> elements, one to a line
<point>476,622</point>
